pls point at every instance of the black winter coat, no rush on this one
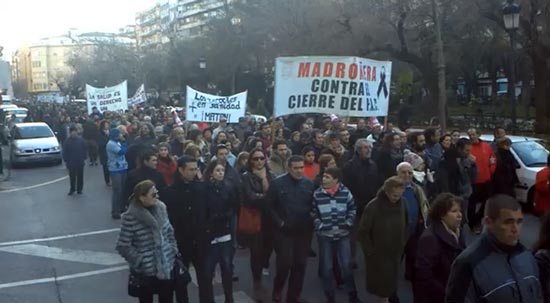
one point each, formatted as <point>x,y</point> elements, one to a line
<point>290,204</point>
<point>543,261</point>
<point>141,174</point>
<point>362,179</point>
<point>505,177</point>
<point>437,250</point>
<point>102,145</point>
<point>220,202</point>
<point>387,162</point>
<point>253,195</point>
<point>74,152</point>
<point>184,201</point>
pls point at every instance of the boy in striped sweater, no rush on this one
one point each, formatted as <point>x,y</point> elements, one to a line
<point>333,216</point>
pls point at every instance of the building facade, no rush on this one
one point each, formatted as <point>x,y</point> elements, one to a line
<point>40,66</point>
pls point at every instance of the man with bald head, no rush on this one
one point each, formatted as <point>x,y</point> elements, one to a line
<point>417,214</point>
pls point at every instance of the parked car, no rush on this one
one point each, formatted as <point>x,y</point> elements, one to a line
<point>531,156</point>
<point>33,143</point>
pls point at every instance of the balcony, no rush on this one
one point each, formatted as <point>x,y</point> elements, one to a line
<point>201,9</point>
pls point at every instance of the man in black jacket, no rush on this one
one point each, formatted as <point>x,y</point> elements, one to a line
<point>74,155</point>
<point>496,267</point>
<point>146,171</point>
<point>290,203</point>
<point>182,201</point>
<point>362,178</point>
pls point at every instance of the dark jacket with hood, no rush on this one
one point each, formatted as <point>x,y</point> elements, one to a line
<point>116,153</point>
<point>290,204</point>
<point>362,179</point>
<point>437,250</point>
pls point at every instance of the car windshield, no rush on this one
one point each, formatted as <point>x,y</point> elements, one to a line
<point>33,132</point>
<point>531,153</point>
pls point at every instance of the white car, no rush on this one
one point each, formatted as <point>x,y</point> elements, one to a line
<point>34,142</point>
<point>531,156</point>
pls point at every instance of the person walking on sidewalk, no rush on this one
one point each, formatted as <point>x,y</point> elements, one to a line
<point>74,155</point>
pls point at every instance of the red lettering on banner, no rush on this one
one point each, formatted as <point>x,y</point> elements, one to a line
<point>303,69</point>
<point>327,69</point>
<point>316,72</point>
<point>340,70</point>
<point>373,73</point>
<point>352,74</point>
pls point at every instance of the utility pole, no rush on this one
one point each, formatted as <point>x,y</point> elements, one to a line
<point>441,83</point>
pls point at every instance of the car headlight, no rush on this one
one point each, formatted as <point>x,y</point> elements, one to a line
<point>55,148</point>
<point>19,151</point>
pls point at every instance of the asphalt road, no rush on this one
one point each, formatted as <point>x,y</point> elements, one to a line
<point>55,248</point>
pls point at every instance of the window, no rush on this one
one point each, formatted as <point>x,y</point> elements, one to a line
<point>36,64</point>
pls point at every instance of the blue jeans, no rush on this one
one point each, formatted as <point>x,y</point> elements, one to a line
<point>118,180</point>
<point>221,253</point>
<point>342,249</point>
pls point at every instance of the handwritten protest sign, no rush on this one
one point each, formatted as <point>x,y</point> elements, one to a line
<point>202,107</point>
<point>113,99</point>
<point>139,97</point>
<point>346,86</point>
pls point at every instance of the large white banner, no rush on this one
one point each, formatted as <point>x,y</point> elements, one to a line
<point>112,99</point>
<point>346,86</point>
<point>202,107</point>
<point>139,97</point>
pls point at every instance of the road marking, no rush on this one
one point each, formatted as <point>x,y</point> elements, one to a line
<point>239,296</point>
<point>91,233</point>
<point>62,278</point>
<point>33,186</point>
<point>65,254</point>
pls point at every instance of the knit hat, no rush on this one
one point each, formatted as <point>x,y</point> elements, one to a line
<point>413,159</point>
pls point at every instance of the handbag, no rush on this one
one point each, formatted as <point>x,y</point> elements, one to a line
<point>136,284</point>
<point>250,221</point>
<point>180,273</point>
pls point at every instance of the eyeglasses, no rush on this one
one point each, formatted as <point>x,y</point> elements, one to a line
<point>408,172</point>
<point>155,194</point>
<point>258,158</point>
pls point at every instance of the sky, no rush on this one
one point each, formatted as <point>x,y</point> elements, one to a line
<point>27,21</point>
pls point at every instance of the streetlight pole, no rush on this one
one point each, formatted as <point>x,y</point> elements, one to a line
<point>511,13</point>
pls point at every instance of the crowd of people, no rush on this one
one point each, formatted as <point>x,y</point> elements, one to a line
<point>197,192</point>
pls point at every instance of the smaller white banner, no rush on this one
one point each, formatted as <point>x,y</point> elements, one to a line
<point>112,99</point>
<point>139,97</point>
<point>202,107</point>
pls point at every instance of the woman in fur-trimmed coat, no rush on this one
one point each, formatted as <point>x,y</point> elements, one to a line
<point>146,241</point>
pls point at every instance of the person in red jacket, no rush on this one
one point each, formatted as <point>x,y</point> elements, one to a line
<point>485,159</point>
<point>542,189</point>
<point>311,169</point>
<point>166,164</point>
